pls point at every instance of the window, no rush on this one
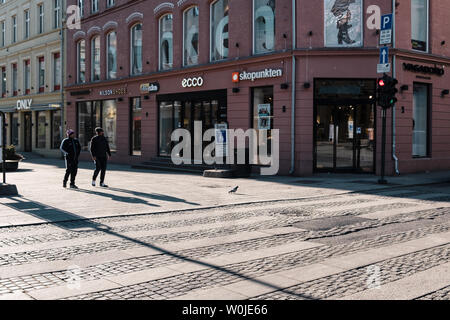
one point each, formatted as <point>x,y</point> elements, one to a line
<point>94,8</point>
<point>15,128</point>
<point>3,82</point>
<point>81,61</point>
<point>40,129</point>
<point>26,15</point>
<point>57,14</point>
<point>166,42</point>
<point>41,18</point>
<point>27,76</point>
<point>136,49</point>
<point>190,43</point>
<point>419,25</point>
<point>111,51</point>
<point>263,26</point>
<point>81,6</point>
<point>41,74</point>
<point>219,30</point>
<point>56,71</point>
<point>263,112</point>
<point>14,79</point>
<point>56,129</point>
<point>97,114</point>
<point>95,58</point>
<point>421,115</point>
<point>136,118</point>
<point>14,29</point>
<point>109,3</point>
<point>3,33</point>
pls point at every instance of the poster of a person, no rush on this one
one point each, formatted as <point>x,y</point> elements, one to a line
<point>343,23</point>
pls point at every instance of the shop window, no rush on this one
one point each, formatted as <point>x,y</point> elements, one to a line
<point>40,129</point>
<point>111,51</point>
<point>95,58</point>
<point>81,61</point>
<point>136,49</point>
<point>56,129</point>
<point>421,116</point>
<point>263,112</point>
<point>87,121</point>
<point>190,43</point>
<point>166,42</point>
<point>41,74</point>
<point>27,76</point>
<point>263,26</point>
<point>136,119</point>
<point>419,25</point>
<point>219,30</point>
<point>14,79</point>
<point>109,121</point>
<point>14,128</point>
<point>56,72</point>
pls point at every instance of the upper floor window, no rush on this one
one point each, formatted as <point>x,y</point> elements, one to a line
<point>136,49</point>
<point>166,42</point>
<point>41,18</point>
<point>81,61</point>
<point>109,3</point>
<point>94,7</point>
<point>14,78</point>
<point>219,30</point>
<point>263,26</point>
<point>81,7</point>
<point>27,76</point>
<point>419,25</point>
<point>14,29</point>
<point>190,43</point>
<point>95,58</point>
<point>3,82</point>
<point>3,26</point>
<point>56,71</point>
<point>41,74</point>
<point>111,55</point>
<point>26,15</point>
<point>57,14</point>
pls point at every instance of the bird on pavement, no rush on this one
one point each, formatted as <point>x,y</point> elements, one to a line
<point>233,190</point>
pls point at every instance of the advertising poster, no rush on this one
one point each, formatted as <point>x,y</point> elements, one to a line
<point>343,23</point>
<point>221,139</point>
<point>264,116</point>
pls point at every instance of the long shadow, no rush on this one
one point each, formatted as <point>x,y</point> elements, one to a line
<point>156,196</point>
<point>46,213</point>
<point>116,197</point>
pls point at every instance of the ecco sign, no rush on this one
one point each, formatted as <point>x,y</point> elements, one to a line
<point>192,82</point>
<point>24,104</point>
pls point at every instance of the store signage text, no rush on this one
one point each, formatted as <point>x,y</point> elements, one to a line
<point>423,69</point>
<point>267,73</point>
<point>192,82</point>
<point>150,87</point>
<point>111,92</point>
<point>24,104</point>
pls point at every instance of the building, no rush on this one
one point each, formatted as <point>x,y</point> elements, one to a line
<point>143,68</point>
<point>31,74</point>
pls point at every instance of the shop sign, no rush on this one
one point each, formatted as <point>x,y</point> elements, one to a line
<point>112,92</point>
<point>24,104</point>
<point>149,87</point>
<point>192,82</point>
<point>423,69</point>
<point>267,73</point>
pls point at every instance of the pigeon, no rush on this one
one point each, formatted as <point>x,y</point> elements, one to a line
<point>233,190</point>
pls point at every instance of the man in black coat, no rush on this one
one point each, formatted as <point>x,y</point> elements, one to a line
<point>100,153</point>
<point>71,149</point>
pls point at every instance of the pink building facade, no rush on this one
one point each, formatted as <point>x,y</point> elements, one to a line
<point>141,69</point>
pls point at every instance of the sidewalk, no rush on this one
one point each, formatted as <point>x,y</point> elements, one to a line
<point>133,191</point>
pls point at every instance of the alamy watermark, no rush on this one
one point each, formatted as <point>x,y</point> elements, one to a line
<point>374,277</point>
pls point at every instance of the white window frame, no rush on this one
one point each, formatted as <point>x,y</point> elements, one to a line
<point>428,30</point>
<point>41,18</point>
<point>94,6</point>
<point>26,15</point>
<point>57,14</point>
<point>14,29</point>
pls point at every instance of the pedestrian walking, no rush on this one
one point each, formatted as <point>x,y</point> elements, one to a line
<point>100,153</point>
<point>71,149</point>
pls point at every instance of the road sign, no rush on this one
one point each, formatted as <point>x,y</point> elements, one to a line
<point>386,29</point>
<point>383,68</point>
<point>384,55</point>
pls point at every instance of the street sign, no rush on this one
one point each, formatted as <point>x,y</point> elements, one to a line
<point>384,55</point>
<point>384,68</point>
<point>386,29</point>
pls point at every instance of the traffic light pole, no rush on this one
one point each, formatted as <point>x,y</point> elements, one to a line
<point>383,147</point>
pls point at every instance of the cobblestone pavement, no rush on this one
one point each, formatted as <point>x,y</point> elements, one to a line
<point>225,246</point>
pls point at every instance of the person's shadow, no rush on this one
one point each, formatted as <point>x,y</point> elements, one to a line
<point>155,196</point>
<point>116,197</point>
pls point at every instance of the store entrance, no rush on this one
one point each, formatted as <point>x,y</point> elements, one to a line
<point>27,133</point>
<point>345,137</point>
<point>181,112</point>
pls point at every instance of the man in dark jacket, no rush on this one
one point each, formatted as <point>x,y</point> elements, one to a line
<point>100,153</point>
<point>71,149</point>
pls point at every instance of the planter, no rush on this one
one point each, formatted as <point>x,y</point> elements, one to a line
<point>10,165</point>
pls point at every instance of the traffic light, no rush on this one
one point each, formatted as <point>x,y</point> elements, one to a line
<point>386,91</point>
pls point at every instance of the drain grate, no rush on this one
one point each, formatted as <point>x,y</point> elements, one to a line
<point>329,223</point>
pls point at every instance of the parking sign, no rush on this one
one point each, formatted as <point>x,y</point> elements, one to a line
<point>386,29</point>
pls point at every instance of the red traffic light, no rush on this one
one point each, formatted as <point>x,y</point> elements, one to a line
<point>381,83</point>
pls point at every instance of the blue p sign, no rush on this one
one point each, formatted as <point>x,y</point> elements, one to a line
<point>386,22</point>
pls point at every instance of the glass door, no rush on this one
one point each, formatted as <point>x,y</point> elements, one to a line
<point>27,132</point>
